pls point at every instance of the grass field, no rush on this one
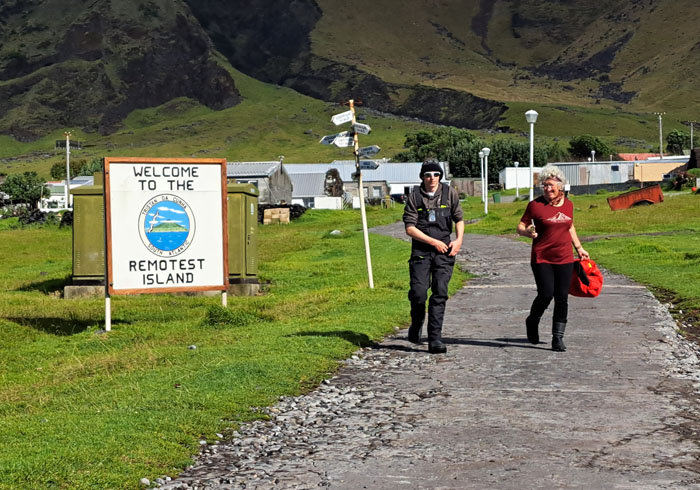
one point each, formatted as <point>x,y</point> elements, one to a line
<point>655,245</point>
<point>81,409</point>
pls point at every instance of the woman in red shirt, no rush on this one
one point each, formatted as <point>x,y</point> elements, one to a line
<point>549,221</point>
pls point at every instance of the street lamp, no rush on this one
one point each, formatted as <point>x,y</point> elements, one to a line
<point>531,117</point>
<point>517,189</point>
<point>593,156</point>
<point>661,139</point>
<point>67,134</point>
<point>486,152</point>
<point>481,160</point>
<point>691,123</point>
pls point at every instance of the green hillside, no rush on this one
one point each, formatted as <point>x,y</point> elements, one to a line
<point>260,80</point>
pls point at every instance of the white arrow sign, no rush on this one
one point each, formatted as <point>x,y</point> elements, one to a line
<point>328,139</point>
<point>343,141</point>
<point>360,128</point>
<point>368,165</point>
<point>368,150</point>
<point>341,118</point>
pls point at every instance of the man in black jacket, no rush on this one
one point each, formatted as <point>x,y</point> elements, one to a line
<point>428,216</point>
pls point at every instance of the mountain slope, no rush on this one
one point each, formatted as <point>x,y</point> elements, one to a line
<point>89,64</point>
<point>467,63</point>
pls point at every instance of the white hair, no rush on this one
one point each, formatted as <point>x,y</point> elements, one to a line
<point>552,172</point>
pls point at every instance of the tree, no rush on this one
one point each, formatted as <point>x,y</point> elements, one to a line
<point>24,188</point>
<point>676,141</point>
<point>78,167</point>
<point>461,148</point>
<point>582,146</point>
<point>457,146</point>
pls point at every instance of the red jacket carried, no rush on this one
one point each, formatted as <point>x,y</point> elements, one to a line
<point>587,280</point>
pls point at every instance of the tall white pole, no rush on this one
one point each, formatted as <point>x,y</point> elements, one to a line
<point>517,189</point>
<point>362,199</point>
<point>486,183</point>
<point>67,190</point>
<point>481,162</point>
<point>532,161</point>
<point>661,138</point>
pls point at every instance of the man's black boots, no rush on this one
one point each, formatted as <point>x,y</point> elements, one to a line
<point>558,336</point>
<point>532,324</point>
<point>436,347</point>
<point>417,319</point>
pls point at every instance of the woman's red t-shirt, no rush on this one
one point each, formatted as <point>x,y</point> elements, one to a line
<point>553,242</point>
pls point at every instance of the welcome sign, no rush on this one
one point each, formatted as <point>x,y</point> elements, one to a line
<point>166,225</point>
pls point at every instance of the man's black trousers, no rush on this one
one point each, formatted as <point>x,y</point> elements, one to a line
<point>431,270</point>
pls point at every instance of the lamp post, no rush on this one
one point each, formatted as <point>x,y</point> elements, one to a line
<point>517,189</point>
<point>661,138</point>
<point>481,160</point>
<point>531,118</point>
<point>691,124</point>
<point>67,188</point>
<point>593,156</point>
<point>486,152</point>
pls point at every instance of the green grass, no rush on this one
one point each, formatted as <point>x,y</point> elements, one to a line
<point>656,245</point>
<point>81,409</point>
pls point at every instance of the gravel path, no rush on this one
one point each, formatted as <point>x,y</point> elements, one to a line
<point>618,410</point>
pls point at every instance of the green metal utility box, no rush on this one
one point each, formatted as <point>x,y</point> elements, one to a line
<point>89,238</point>
<point>242,234</point>
<point>89,233</point>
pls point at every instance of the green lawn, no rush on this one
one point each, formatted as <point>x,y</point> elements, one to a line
<point>80,409</point>
<point>655,245</point>
<point>83,409</point>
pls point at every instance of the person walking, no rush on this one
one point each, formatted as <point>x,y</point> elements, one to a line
<point>430,211</point>
<point>549,221</point>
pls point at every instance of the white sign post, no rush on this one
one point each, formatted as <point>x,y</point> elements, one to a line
<point>166,226</point>
<point>368,151</point>
<point>343,117</point>
<point>346,139</point>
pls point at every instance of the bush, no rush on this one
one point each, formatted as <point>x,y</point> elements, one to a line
<point>582,146</point>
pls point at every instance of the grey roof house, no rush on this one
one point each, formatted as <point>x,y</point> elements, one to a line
<point>388,178</point>
<point>271,179</point>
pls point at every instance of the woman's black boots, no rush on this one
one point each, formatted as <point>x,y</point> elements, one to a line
<point>532,324</point>
<point>558,336</point>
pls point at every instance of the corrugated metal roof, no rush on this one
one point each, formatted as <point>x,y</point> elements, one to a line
<point>251,169</point>
<point>390,172</point>
<point>308,184</point>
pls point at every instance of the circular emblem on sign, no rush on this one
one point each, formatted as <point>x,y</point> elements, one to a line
<point>166,225</point>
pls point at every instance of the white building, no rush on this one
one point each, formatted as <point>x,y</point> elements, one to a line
<point>512,177</point>
<point>56,197</point>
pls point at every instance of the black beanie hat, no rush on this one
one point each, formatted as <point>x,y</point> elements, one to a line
<point>431,166</point>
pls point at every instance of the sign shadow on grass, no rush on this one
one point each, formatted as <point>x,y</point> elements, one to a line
<point>48,286</point>
<point>57,326</point>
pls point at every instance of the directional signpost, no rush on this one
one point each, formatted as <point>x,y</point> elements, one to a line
<point>343,117</point>
<point>360,128</point>
<point>368,151</point>
<point>344,141</point>
<point>350,138</point>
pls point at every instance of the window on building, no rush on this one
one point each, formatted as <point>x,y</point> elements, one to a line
<point>377,191</point>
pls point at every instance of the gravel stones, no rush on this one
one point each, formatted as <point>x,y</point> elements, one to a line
<point>274,453</point>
